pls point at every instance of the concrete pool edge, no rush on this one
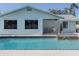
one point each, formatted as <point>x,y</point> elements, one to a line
<point>39,36</point>
<point>58,37</point>
<point>39,52</point>
<point>26,36</point>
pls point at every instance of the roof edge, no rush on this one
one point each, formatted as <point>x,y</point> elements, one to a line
<point>30,7</point>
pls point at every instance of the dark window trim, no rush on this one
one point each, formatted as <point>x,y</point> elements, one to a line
<point>29,9</point>
<point>10,23</point>
<point>77,30</point>
<point>31,24</point>
<point>77,22</point>
<point>65,24</point>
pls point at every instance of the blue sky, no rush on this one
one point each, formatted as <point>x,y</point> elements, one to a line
<point>6,7</point>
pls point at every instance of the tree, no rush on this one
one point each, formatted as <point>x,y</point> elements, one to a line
<point>69,10</point>
<point>54,11</point>
<point>66,11</point>
<point>73,6</point>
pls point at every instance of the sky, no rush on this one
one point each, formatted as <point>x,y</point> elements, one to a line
<point>6,7</point>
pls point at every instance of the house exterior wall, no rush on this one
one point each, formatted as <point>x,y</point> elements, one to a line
<point>21,16</point>
<point>71,27</point>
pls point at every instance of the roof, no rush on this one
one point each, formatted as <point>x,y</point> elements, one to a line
<point>32,8</point>
<point>69,17</point>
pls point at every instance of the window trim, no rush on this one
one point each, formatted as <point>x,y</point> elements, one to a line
<point>31,24</point>
<point>10,28</point>
<point>65,24</point>
<point>77,22</point>
<point>77,30</point>
<point>29,9</point>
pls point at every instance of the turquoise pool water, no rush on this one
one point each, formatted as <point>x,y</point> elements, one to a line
<point>37,44</point>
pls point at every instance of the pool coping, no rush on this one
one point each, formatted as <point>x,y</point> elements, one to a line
<point>39,52</point>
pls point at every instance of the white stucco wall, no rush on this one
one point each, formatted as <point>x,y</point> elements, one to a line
<point>71,27</point>
<point>21,16</point>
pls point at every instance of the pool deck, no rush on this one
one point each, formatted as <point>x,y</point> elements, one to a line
<point>25,36</point>
<point>42,36</point>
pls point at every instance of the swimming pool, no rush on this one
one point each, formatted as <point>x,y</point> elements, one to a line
<point>37,44</point>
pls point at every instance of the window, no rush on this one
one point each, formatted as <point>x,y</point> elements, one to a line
<point>77,30</point>
<point>77,22</point>
<point>10,24</point>
<point>31,24</point>
<point>65,24</point>
<point>29,9</point>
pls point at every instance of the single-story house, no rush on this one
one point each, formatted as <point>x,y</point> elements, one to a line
<point>30,21</point>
